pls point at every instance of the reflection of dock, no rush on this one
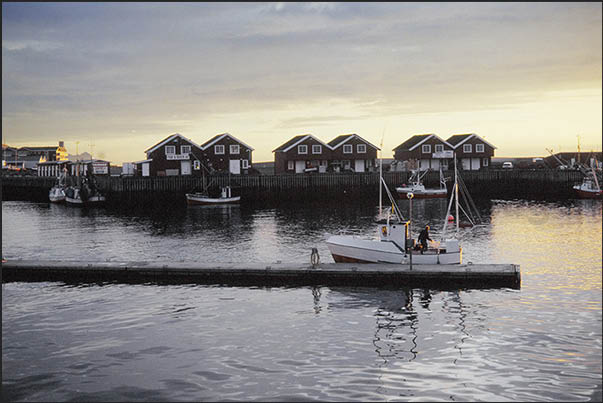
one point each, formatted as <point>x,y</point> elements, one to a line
<point>373,274</point>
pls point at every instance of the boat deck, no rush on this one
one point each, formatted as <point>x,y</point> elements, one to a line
<point>267,274</point>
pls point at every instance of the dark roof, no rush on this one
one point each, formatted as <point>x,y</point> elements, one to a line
<point>51,148</point>
<point>290,142</point>
<point>212,139</point>
<point>413,141</point>
<point>457,138</point>
<point>339,139</point>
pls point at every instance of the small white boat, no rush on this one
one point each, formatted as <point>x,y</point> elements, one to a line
<point>80,196</point>
<point>419,191</point>
<point>57,192</point>
<point>590,187</point>
<point>203,198</point>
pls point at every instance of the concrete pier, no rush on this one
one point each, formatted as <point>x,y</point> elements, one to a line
<point>267,274</point>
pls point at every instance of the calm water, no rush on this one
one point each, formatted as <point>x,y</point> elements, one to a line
<point>113,342</point>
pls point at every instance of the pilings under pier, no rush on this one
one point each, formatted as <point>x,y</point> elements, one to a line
<point>268,274</point>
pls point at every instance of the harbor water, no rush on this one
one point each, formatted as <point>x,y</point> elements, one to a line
<point>182,342</point>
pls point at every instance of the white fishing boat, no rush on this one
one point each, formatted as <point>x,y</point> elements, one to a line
<point>57,192</point>
<point>418,189</point>
<point>394,243</point>
<point>203,198</point>
<point>85,192</point>
<point>590,187</point>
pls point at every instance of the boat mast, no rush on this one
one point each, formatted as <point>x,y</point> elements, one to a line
<point>456,194</point>
<point>381,172</point>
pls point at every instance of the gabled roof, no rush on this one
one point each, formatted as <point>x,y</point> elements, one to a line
<point>219,137</point>
<point>49,148</point>
<point>458,139</point>
<point>418,139</point>
<point>340,140</point>
<point>296,140</point>
<point>168,139</point>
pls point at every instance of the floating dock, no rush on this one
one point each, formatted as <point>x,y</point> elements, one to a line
<point>267,274</point>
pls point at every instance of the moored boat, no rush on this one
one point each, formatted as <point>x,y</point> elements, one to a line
<point>203,198</point>
<point>418,189</point>
<point>590,187</point>
<point>57,192</point>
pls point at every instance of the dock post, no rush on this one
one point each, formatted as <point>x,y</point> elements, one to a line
<point>410,195</point>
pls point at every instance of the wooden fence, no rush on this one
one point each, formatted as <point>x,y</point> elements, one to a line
<point>492,183</point>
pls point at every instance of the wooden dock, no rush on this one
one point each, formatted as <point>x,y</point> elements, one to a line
<point>267,274</point>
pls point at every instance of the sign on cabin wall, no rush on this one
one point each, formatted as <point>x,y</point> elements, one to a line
<point>177,156</point>
<point>100,168</point>
<point>444,154</point>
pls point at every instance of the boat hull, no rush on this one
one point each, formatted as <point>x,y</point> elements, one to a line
<point>192,199</point>
<point>349,249</point>
<point>585,194</point>
<point>418,194</point>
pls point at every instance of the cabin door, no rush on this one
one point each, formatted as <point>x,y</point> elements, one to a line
<point>359,166</point>
<point>235,167</point>
<point>475,164</point>
<point>185,167</point>
<point>466,164</point>
<point>145,169</point>
<point>300,166</point>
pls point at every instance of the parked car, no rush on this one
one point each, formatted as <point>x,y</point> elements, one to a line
<point>507,165</point>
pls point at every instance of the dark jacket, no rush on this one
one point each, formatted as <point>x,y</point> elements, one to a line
<point>424,235</point>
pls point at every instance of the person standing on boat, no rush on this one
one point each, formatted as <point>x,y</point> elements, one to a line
<point>423,237</point>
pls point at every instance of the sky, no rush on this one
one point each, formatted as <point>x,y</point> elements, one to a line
<point>114,79</point>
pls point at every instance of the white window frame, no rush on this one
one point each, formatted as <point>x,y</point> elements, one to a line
<point>348,149</point>
<point>245,164</point>
<point>361,148</point>
<point>290,165</point>
<point>316,149</point>
<point>302,149</point>
<point>467,148</point>
<point>185,149</point>
<point>484,162</point>
<point>479,148</point>
<point>219,149</point>
<point>170,150</point>
<point>196,165</point>
<point>236,148</point>
<point>439,148</point>
<point>426,148</point>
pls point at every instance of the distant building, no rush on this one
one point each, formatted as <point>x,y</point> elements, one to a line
<point>423,151</point>
<point>571,159</point>
<point>472,151</point>
<point>225,153</point>
<point>303,153</point>
<point>28,157</point>
<point>352,152</point>
<point>71,168</point>
<point>175,155</point>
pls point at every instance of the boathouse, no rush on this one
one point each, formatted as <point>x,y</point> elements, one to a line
<point>423,152</point>
<point>173,156</point>
<point>302,154</point>
<point>350,152</point>
<point>225,153</point>
<point>472,151</point>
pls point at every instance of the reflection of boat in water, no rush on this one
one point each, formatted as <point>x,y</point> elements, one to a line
<point>417,188</point>
<point>203,198</point>
<point>394,243</point>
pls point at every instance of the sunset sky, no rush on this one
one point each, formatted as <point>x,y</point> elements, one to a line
<point>120,77</point>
